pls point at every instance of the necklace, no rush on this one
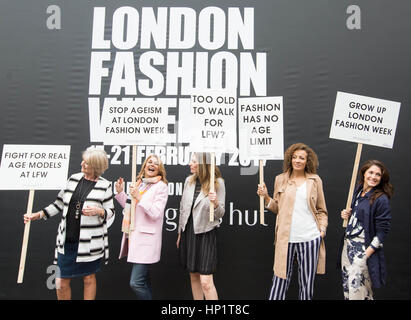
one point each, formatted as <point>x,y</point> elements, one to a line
<point>80,200</point>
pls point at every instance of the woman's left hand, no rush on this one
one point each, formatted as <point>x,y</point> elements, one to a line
<point>213,197</point>
<point>369,251</point>
<point>93,211</point>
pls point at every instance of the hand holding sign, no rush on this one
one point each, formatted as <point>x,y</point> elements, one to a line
<point>262,191</point>
<point>214,118</point>
<point>28,217</point>
<point>364,120</point>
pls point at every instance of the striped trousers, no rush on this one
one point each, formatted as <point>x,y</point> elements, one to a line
<point>307,257</point>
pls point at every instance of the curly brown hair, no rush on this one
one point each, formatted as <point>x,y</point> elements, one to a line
<point>312,159</point>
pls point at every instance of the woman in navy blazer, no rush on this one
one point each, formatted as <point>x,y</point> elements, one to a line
<point>361,257</point>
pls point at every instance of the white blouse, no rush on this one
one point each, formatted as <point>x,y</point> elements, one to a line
<point>303,225</point>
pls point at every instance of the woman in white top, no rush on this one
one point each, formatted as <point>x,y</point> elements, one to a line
<point>301,222</point>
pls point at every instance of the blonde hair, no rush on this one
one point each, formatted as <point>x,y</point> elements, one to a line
<point>161,168</point>
<point>204,173</point>
<point>97,159</point>
<point>312,159</point>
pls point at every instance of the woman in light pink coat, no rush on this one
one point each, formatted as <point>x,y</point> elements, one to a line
<point>142,244</point>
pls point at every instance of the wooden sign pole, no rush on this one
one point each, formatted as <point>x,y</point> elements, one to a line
<point>261,197</point>
<point>25,238</point>
<point>212,181</point>
<point>133,181</point>
<point>353,179</point>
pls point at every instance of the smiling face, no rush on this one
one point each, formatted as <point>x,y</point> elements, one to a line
<point>87,169</point>
<point>193,164</point>
<point>299,160</point>
<point>151,168</point>
<point>372,177</point>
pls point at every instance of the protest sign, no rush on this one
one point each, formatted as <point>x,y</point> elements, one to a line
<point>33,167</point>
<point>261,132</point>
<point>213,128</point>
<point>214,118</point>
<point>136,121</point>
<point>364,120</point>
<point>261,129</point>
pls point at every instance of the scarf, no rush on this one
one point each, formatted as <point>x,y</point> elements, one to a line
<point>147,183</point>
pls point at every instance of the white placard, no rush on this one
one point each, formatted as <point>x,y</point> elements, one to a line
<point>213,125</point>
<point>136,121</point>
<point>34,167</point>
<point>261,133</point>
<point>365,120</point>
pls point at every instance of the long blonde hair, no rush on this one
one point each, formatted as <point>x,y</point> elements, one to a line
<point>161,168</point>
<point>204,173</point>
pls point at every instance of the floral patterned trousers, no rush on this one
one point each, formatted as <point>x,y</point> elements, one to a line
<point>355,277</point>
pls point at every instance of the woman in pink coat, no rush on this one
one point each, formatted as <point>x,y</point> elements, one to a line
<point>142,245</point>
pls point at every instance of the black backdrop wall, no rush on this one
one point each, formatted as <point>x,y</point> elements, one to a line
<point>311,54</point>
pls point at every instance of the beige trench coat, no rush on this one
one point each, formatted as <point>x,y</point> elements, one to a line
<point>283,204</point>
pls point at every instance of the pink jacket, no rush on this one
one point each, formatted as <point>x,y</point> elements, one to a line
<point>144,245</point>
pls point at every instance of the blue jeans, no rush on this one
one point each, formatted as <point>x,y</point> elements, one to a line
<point>140,281</point>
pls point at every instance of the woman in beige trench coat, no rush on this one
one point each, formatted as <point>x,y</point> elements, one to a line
<point>301,222</point>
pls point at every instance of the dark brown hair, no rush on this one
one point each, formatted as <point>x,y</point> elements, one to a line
<point>312,159</point>
<point>384,187</point>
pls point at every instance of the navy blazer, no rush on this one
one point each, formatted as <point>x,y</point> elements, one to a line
<point>376,222</point>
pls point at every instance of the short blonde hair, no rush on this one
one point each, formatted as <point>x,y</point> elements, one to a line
<point>97,159</point>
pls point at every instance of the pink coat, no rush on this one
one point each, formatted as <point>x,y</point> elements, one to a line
<point>145,241</point>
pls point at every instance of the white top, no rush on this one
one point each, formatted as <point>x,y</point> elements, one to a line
<point>303,225</point>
